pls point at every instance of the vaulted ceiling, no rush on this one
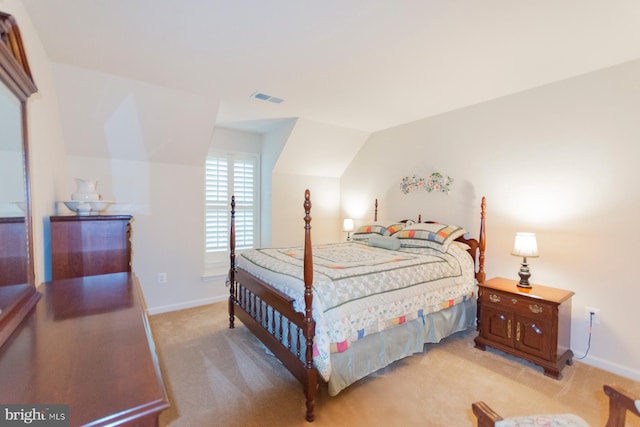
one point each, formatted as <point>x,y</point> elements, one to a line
<point>360,64</point>
<point>147,80</point>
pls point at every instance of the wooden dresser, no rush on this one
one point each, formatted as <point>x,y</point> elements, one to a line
<point>87,344</point>
<point>13,251</point>
<point>534,323</point>
<point>90,245</point>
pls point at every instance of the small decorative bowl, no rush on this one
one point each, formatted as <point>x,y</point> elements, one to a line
<point>88,207</point>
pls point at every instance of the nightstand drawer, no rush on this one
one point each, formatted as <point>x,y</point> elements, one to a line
<point>516,303</point>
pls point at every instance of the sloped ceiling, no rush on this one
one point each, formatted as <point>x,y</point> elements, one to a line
<point>363,65</point>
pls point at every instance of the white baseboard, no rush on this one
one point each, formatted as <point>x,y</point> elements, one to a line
<point>183,305</point>
<point>623,371</point>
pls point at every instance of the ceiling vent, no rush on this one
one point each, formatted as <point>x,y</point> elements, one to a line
<point>264,97</point>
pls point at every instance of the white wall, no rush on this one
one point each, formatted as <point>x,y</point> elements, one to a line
<point>288,211</point>
<point>272,144</point>
<point>314,158</point>
<point>561,161</point>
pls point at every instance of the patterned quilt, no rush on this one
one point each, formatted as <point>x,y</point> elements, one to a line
<point>360,290</point>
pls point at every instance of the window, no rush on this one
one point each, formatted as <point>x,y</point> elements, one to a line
<point>228,174</point>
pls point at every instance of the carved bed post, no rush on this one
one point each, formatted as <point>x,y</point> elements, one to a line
<point>232,266</point>
<point>483,242</point>
<point>375,211</point>
<point>311,385</point>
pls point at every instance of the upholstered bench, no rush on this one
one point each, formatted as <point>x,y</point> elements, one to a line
<point>619,403</point>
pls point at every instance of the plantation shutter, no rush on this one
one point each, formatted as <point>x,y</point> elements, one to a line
<point>227,175</point>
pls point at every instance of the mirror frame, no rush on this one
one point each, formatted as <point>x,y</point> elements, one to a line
<point>16,75</point>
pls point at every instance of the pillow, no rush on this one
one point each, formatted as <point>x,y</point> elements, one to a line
<point>364,232</point>
<point>461,245</point>
<point>384,242</point>
<point>394,228</point>
<point>427,235</point>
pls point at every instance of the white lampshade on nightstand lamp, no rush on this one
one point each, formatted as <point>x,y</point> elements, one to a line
<point>347,225</point>
<point>525,246</point>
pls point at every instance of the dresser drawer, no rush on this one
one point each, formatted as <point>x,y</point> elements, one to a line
<point>516,303</point>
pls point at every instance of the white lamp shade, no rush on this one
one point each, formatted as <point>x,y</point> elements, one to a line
<point>347,225</point>
<point>525,245</point>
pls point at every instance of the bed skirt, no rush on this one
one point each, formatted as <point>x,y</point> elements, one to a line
<point>374,352</point>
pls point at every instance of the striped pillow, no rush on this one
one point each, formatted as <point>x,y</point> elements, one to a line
<point>423,235</point>
<point>366,231</point>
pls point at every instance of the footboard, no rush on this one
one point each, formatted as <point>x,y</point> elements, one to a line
<point>270,316</point>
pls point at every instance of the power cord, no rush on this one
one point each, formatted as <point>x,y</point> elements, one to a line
<point>591,314</point>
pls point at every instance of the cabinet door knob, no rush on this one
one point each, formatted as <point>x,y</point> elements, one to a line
<point>494,298</point>
<point>535,308</point>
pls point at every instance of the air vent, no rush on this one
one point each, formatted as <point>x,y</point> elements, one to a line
<point>264,97</point>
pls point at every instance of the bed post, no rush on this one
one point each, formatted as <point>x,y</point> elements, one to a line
<point>311,384</point>
<point>483,242</point>
<point>375,211</point>
<point>232,266</point>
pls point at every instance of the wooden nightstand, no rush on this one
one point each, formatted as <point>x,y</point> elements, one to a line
<point>533,324</point>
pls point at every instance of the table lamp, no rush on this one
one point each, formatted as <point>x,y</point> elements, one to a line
<point>525,245</point>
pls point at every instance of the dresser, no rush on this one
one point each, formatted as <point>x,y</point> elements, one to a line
<point>531,323</point>
<point>90,245</point>
<point>13,251</point>
<point>88,345</point>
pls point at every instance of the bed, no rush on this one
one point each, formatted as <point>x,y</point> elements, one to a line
<point>375,299</point>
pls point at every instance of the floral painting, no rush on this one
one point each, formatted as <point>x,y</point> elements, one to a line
<point>434,182</point>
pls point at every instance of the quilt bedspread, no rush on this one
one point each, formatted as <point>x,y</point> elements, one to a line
<point>359,290</point>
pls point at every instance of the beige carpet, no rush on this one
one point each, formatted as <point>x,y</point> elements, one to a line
<point>216,376</point>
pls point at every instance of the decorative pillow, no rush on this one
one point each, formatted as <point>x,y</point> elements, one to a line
<point>393,228</point>
<point>384,242</point>
<point>436,236</point>
<point>560,420</point>
<point>367,231</point>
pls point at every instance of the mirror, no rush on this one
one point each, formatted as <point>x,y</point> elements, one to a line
<point>13,227</point>
<point>17,288</point>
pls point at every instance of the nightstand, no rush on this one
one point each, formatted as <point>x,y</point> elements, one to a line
<point>533,324</point>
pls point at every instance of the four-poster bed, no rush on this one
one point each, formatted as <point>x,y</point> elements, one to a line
<point>319,333</point>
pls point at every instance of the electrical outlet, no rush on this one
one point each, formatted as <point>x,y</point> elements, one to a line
<point>596,314</point>
<point>162,277</point>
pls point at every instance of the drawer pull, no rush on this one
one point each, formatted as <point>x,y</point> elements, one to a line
<point>494,298</point>
<point>535,308</point>
<point>514,300</point>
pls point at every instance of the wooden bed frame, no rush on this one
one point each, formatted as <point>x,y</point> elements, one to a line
<point>270,314</point>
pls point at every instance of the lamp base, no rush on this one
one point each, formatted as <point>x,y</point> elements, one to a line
<point>525,285</point>
<point>524,274</point>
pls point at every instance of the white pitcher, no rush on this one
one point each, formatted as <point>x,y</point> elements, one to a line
<point>86,190</point>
